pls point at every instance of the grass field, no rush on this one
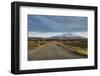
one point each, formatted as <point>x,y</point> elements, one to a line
<point>77,46</point>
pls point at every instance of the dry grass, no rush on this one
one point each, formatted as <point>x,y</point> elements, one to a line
<point>78,50</point>
<point>81,51</point>
<point>79,47</point>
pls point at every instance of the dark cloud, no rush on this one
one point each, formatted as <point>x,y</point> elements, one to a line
<point>41,23</point>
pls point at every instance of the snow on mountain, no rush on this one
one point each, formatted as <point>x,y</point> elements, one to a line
<point>67,35</point>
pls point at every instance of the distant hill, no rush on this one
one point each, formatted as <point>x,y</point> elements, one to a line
<point>62,36</point>
<point>67,36</point>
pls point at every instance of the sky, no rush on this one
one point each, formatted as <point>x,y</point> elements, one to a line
<point>46,25</point>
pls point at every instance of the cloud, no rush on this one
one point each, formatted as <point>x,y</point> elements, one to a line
<point>38,23</point>
<point>45,34</point>
<point>50,34</point>
<point>83,34</point>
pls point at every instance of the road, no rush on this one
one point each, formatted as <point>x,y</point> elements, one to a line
<point>52,51</point>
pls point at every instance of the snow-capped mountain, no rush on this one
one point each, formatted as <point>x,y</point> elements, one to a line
<point>67,36</point>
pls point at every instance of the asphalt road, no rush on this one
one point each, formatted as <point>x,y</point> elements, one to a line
<point>52,51</point>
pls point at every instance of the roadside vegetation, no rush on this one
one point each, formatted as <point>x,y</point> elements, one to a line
<point>77,46</point>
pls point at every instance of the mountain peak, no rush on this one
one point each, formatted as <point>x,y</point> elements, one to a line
<point>66,36</point>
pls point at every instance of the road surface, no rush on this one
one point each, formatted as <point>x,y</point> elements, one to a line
<point>52,51</point>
